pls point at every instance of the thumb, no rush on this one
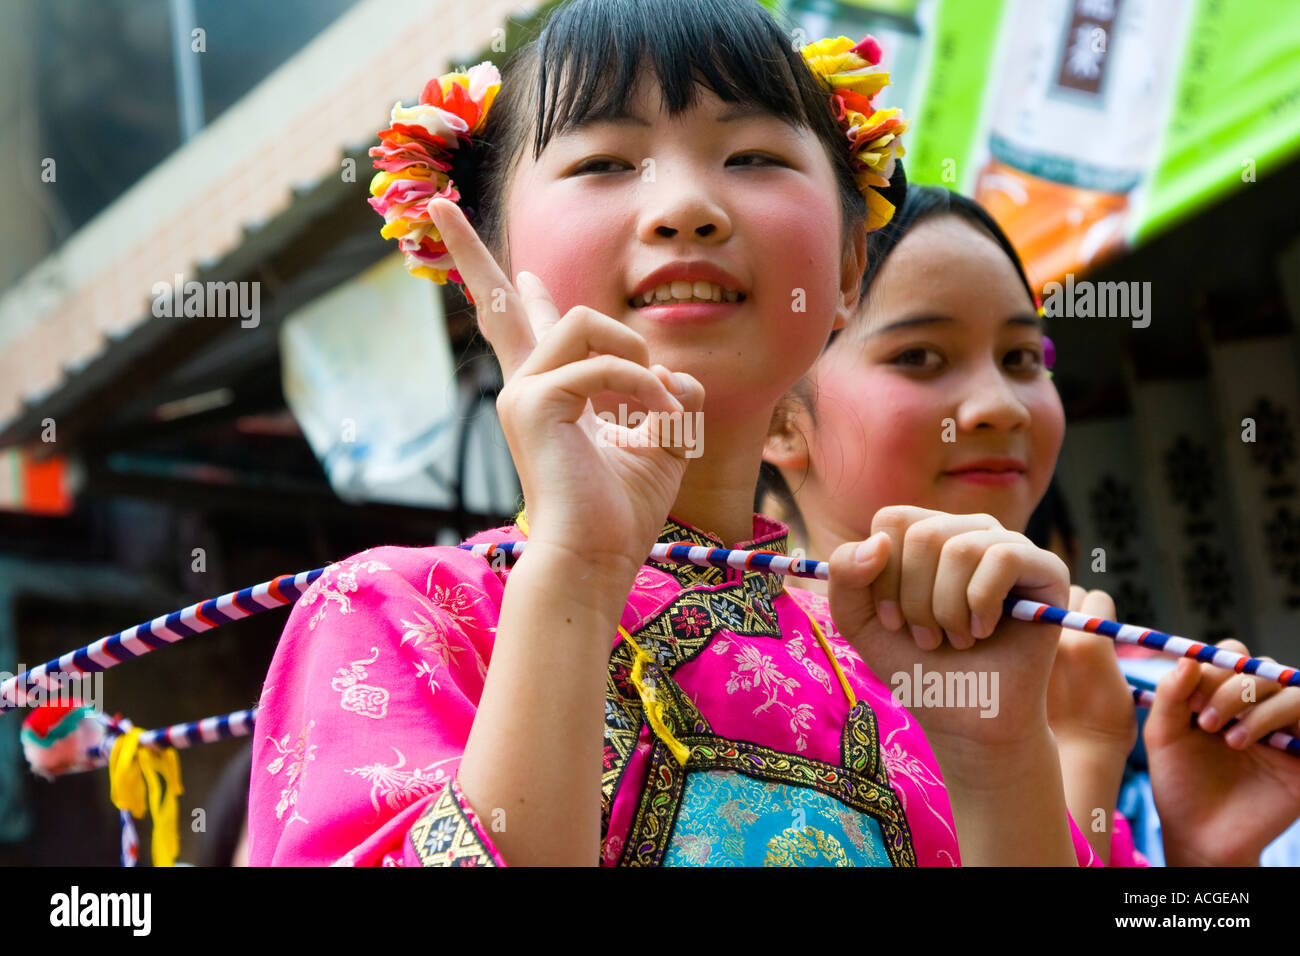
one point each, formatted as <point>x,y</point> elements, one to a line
<point>855,565</point>
<point>687,389</point>
<point>1171,711</point>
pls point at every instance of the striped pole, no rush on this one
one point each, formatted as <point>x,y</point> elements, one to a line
<point>1020,609</point>
<point>757,560</point>
<point>1277,739</point>
<point>130,840</point>
<point>168,629</point>
<point>179,736</point>
<point>140,640</point>
<point>1170,644</point>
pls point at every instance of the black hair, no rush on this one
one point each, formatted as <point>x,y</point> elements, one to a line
<point>926,202</point>
<point>227,810</point>
<point>1051,514</point>
<point>919,204</point>
<point>586,62</point>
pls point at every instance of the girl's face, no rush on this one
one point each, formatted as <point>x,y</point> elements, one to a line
<point>937,396</point>
<point>608,204</point>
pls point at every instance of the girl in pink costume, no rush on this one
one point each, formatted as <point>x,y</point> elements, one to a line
<point>585,705</point>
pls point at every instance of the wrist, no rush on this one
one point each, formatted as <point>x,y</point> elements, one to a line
<point>1008,803</point>
<point>597,581</point>
<point>982,765</point>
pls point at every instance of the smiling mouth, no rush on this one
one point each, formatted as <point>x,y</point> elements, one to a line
<point>682,292</point>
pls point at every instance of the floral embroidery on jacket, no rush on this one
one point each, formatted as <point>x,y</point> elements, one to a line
<point>358,697</point>
<point>400,788</point>
<point>905,763</point>
<point>294,760</point>
<point>338,581</point>
<point>758,671</point>
<point>797,650</point>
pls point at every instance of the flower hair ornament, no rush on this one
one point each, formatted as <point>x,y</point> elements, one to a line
<point>429,150</point>
<point>427,153</point>
<point>850,72</point>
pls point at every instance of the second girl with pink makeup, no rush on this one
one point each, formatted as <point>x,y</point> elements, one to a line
<point>937,396</point>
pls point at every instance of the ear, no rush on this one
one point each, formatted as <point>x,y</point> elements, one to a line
<point>786,447</point>
<point>852,267</point>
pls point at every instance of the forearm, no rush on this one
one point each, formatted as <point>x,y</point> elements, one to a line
<point>1008,803</point>
<point>1091,773</point>
<point>535,748</point>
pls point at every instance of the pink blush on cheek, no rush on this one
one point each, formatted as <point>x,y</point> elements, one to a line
<point>876,438</point>
<point>562,245</point>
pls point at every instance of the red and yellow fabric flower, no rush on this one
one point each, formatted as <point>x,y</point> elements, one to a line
<point>850,72</point>
<point>414,160</point>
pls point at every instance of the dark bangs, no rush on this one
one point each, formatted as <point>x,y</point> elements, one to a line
<point>593,53</point>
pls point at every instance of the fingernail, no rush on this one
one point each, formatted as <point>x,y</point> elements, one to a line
<point>923,636</point>
<point>976,628</point>
<point>1196,701</point>
<point>1209,719</point>
<point>677,384</point>
<point>1236,736</point>
<point>890,614</point>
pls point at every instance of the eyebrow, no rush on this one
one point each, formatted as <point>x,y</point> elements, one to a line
<point>1033,321</point>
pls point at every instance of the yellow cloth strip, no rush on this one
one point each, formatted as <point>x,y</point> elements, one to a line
<point>835,665</point>
<point>136,773</point>
<point>654,708</point>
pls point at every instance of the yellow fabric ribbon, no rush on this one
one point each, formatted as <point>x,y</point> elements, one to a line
<point>835,665</point>
<point>654,708</point>
<point>136,772</point>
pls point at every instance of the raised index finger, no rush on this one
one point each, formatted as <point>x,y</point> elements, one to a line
<point>502,317</point>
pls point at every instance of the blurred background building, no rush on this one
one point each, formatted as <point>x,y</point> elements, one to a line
<point>149,459</point>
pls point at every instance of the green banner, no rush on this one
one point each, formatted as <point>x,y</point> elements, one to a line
<point>1086,126</point>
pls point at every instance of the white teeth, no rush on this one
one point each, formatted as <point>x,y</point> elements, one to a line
<point>683,291</point>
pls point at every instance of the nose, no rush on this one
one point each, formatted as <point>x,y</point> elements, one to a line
<point>991,401</point>
<point>682,206</point>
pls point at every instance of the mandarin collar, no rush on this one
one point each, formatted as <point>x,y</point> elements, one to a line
<point>768,535</point>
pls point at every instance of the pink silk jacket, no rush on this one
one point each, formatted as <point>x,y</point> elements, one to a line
<point>735,732</point>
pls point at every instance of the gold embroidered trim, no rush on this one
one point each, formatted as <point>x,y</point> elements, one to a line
<point>444,835</point>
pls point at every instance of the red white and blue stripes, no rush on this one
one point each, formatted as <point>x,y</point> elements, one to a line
<point>757,560</point>
<point>168,629</point>
<point>1277,739</point>
<point>130,840</point>
<point>1170,644</point>
<point>283,590</point>
<point>205,731</point>
<point>1018,608</point>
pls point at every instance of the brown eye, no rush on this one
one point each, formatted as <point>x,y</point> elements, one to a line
<point>918,359</point>
<point>1024,360</point>
<point>763,157</point>
<point>593,165</point>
